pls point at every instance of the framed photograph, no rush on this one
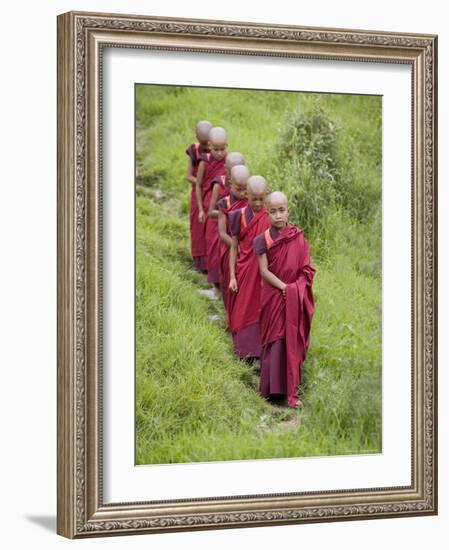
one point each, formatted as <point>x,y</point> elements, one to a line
<point>168,420</point>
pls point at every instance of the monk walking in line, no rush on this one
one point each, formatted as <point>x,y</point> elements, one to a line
<point>286,303</point>
<point>211,166</point>
<point>196,152</point>
<point>221,187</point>
<point>244,285</point>
<point>236,199</point>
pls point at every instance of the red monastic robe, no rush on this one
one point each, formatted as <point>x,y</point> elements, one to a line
<point>196,152</point>
<point>288,318</point>
<point>227,204</point>
<point>244,304</point>
<point>212,237</point>
<point>212,170</point>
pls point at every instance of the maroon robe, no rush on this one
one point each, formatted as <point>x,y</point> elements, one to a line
<point>212,237</point>
<point>244,304</point>
<point>196,152</point>
<point>212,170</point>
<point>226,205</point>
<point>285,321</point>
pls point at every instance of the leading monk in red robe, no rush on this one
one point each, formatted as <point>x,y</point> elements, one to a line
<point>244,274</point>
<point>287,304</point>
<point>195,153</point>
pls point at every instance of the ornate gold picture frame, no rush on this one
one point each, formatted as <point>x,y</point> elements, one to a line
<point>82,40</point>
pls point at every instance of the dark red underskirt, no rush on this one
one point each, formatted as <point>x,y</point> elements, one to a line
<point>213,275</point>
<point>273,369</point>
<point>247,342</point>
<point>200,263</point>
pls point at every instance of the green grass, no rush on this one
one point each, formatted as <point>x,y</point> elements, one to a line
<point>195,401</point>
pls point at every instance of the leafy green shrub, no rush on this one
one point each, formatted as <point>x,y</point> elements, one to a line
<point>307,169</point>
<point>319,167</point>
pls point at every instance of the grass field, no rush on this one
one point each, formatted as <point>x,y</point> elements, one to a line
<point>195,401</point>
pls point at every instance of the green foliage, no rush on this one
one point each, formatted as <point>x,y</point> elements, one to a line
<point>318,167</point>
<point>311,136</point>
<point>308,167</point>
<point>195,401</point>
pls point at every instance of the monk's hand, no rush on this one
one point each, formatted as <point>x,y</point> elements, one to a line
<point>201,216</point>
<point>284,290</point>
<point>233,285</point>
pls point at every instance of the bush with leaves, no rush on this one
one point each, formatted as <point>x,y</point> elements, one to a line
<point>315,170</point>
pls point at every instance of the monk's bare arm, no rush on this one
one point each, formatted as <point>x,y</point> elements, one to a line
<point>198,191</point>
<point>212,212</point>
<point>223,234</point>
<point>189,172</point>
<point>269,277</point>
<point>232,261</point>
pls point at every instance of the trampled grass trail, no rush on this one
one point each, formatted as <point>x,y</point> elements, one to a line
<point>195,401</point>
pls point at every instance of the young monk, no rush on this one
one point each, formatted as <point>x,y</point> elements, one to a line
<point>195,153</point>
<point>220,188</point>
<point>245,224</point>
<point>286,302</point>
<point>210,167</point>
<point>235,200</point>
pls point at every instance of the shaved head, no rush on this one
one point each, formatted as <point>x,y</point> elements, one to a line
<point>218,135</point>
<point>202,130</point>
<point>240,173</point>
<point>277,208</point>
<point>233,159</point>
<point>257,184</point>
<point>277,197</point>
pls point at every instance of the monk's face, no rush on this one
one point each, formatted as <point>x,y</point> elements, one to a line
<point>256,199</point>
<point>278,213</point>
<point>238,188</point>
<point>218,149</point>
